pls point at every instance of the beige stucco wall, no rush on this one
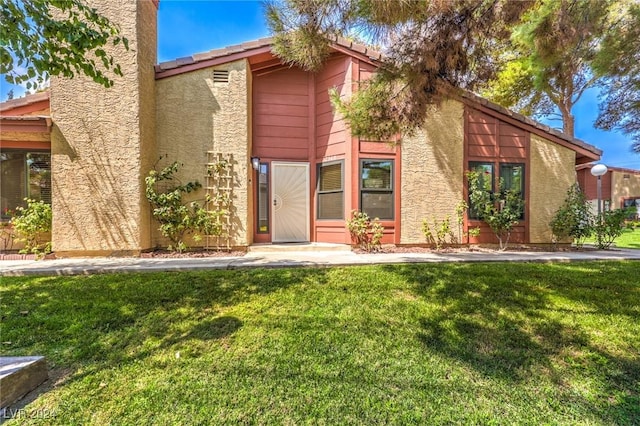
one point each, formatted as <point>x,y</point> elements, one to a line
<point>432,171</point>
<point>196,115</point>
<point>103,141</point>
<point>622,187</point>
<point>552,174</point>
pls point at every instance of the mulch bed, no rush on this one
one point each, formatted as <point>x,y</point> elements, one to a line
<point>192,254</point>
<point>478,249</point>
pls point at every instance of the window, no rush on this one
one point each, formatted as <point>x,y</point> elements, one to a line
<point>511,174</point>
<point>331,190</point>
<point>513,177</point>
<point>486,179</point>
<point>376,188</point>
<point>263,199</point>
<point>23,174</point>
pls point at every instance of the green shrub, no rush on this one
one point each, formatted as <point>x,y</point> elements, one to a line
<point>31,225</point>
<point>178,219</point>
<point>442,233</point>
<point>609,225</point>
<point>573,219</point>
<point>500,210</point>
<point>365,233</point>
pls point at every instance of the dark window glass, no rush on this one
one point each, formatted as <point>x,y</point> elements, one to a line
<point>263,199</point>
<point>513,177</point>
<point>376,188</point>
<point>486,179</point>
<point>23,174</point>
<point>330,191</point>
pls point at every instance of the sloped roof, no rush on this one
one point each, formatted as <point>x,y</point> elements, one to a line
<point>609,168</point>
<point>263,45</point>
<point>249,46</point>
<point>24,101</point>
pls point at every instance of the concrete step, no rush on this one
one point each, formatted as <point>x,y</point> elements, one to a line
<point>19,376</point>
<point>298,247</point>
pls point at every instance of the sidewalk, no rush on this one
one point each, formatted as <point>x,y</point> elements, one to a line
<point>276,259</point>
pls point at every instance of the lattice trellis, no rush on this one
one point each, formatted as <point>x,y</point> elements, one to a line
<point>219,177</point>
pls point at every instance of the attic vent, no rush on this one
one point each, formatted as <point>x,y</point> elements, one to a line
<point>220,76</point>
<point>625,176</point>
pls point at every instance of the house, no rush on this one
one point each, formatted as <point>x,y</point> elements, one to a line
<point>243,104</point>
<point>620,187</point>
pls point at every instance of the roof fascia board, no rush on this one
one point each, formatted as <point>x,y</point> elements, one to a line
<point>211,62</point>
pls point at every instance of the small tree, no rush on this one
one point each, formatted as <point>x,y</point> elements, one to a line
<point>500,210</point>
<point>31,224</point>
<point>178,219</point>
<point>573,219</point>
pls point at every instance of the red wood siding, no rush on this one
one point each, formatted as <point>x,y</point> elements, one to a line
<point>589,184</point>
<point>280,115</point>
<point>331,132</point>
<point>491,140</point>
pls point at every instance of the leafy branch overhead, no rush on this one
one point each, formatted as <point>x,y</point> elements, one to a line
<point>538,57</point>
<point>41,38</point>
<point>430,48</point>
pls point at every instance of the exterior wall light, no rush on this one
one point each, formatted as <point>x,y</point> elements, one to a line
<point>255,163</point>
<point>599,170</point>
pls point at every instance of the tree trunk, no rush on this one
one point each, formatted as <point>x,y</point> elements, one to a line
<point>568,120</point>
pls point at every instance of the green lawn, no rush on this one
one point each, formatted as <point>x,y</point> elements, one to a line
<point>428,344</point>
<point>629,239</point>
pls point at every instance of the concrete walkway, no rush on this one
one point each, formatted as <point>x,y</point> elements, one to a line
<point>295,258</point>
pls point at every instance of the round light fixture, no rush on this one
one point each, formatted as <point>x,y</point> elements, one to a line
<point>599,170</point>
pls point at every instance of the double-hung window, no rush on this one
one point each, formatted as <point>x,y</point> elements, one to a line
<point>376,188</point>
<point>331,190</point>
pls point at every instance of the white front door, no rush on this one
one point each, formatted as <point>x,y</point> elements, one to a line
<point>290,202</point>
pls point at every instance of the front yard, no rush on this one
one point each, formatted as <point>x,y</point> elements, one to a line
<point>429,344</point>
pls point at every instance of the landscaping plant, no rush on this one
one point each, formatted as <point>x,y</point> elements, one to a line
<point>31,226</point>
<point>609,225</point>
<point>178,218</point>
<point>440,234</point>
<point>365,233</point>
<point>573,219</point>
<point>500,210</point>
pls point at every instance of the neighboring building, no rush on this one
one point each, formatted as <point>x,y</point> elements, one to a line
<point>620,187</point>
<point>241,102</point>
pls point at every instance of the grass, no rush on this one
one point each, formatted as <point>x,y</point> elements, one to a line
<point>630,239</point>
<point>431,344</point>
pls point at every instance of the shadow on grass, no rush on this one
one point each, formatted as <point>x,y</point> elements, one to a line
<point>538,322</point>
<point>89,323</point>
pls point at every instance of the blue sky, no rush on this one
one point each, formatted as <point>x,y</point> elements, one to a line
<point>191,26</point>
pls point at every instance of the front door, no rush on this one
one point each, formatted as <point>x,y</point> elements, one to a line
<point>290,202</point>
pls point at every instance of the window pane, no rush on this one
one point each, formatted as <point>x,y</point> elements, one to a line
<point>485,174</point>
<point>12,181</point>
<point>376,175</point>
<point>378,204</point>
<point>330,192</point>
<point>331,177</point>
<point>330,205</point>
<point>39,176</point>
<point>485,180</point>
<point>263,200</point>
<point>513,176</point>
